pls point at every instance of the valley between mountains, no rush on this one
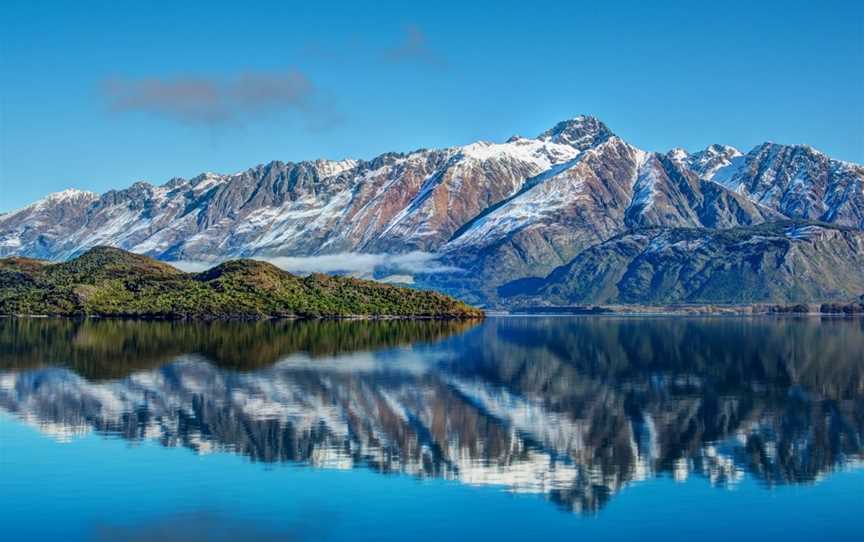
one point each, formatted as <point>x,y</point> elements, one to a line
<point>575,215</point>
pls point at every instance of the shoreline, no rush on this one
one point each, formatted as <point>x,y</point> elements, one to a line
<point>610,311</point>
<point>803,309</point>
<point>247,318</point>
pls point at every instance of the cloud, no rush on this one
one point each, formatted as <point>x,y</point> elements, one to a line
<point>414,48</point>
<point>392,267</point>
<point>353,263</point>
<point>192,266</point>
<point>211,525</point>
<point>211,100</point>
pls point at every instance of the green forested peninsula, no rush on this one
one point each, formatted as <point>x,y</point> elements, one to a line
<point>110,282</point>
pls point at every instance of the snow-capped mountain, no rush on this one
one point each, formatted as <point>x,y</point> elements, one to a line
<point>394,202</point>
<point>800,182</point>
<point>500,211</point>
<point>707,162</point>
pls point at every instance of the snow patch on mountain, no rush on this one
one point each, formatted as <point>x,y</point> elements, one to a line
<point>645,186</point>
<point>329,168</point>
<point>523,210</point>
<point>541,154</point>
<point>709,162</point>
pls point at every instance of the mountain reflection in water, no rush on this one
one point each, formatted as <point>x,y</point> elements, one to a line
<point>571,408</point>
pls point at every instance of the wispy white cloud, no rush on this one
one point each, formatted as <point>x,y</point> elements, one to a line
<point>363,264</point>
<point>392,267</point>
<point>192,266</point>
<point>397,279</point>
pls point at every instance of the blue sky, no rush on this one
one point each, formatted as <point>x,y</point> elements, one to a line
<point>97,95</point>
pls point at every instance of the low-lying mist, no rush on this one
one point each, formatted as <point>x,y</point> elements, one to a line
<point>394,268</point>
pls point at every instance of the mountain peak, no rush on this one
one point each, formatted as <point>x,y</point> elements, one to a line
<point>796,153</point>
<point>582,132</point>
<point>68,194</point>
<point>715,159</point>
<point>799,147</point>
<point>678,154</point>
<point>717,151</point>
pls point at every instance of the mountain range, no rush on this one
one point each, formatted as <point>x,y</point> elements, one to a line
<point>575,204</point>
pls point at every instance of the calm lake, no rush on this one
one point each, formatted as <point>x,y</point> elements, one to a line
<point>511,429</point>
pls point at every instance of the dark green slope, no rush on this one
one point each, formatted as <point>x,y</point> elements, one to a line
<point>107,281</point>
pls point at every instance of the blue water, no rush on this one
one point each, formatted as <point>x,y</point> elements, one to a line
<point>601,428</point>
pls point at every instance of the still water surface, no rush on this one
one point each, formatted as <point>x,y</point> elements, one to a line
<point>548,428</point>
